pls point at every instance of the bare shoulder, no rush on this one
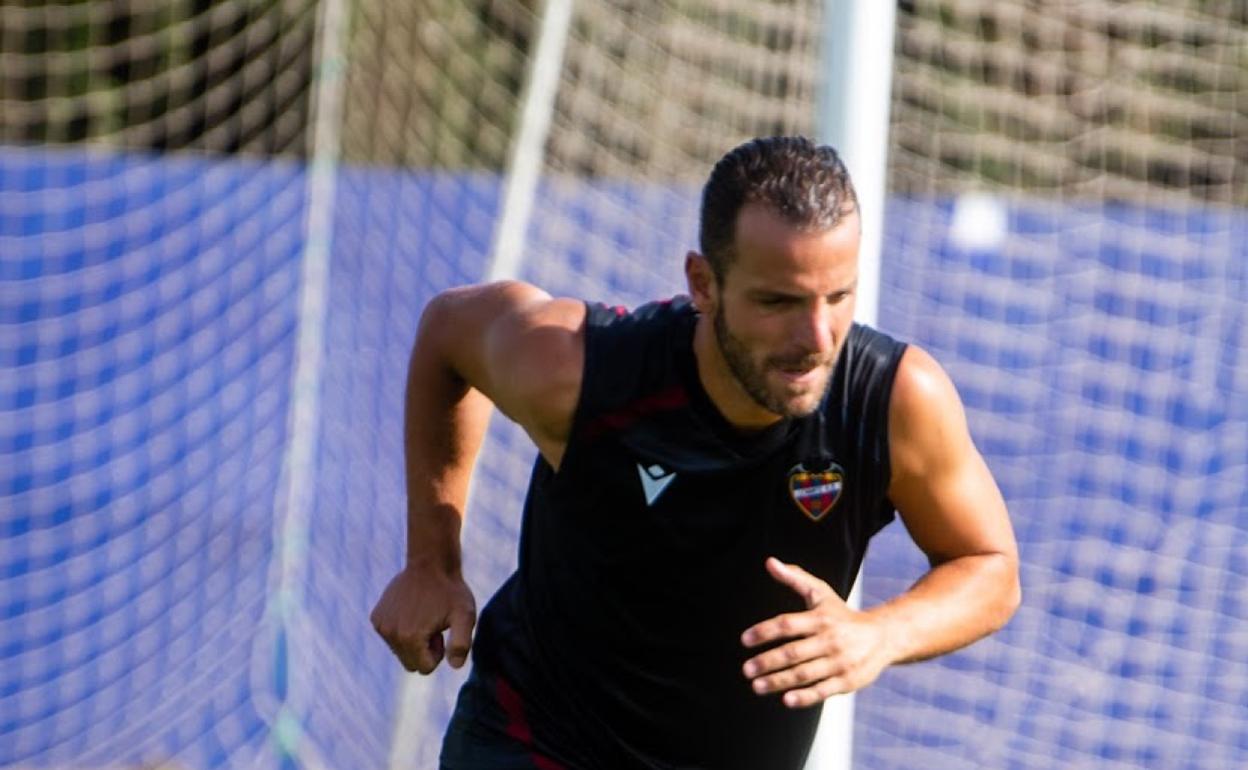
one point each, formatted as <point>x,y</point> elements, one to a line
<point>941,485</point>
<point>537,355</point>
<point>927,423</point>
<point>522,348</point>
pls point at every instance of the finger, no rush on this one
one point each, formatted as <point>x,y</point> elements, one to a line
<point>787,656</point>
<point>460,637</point>
<point>421,654</point>
<point>406,654</point>
<point>801,676</point>
<point>809,587</point>
<point>410,661</point>
<point>816,693</point>
<point>391,638</point>
<point>431,653</point>
<point>786,626</point>
<point>417,651</point>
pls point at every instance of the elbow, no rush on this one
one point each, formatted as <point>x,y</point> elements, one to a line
<point>441,329</point>
<point>432,321</point>
<point>438,309</point>
<point>1010,596</point>
<point>443,307</point>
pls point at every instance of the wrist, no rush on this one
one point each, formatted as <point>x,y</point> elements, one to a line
<point>893,633</point>
<point>433,559</point>
<point>433,538</point>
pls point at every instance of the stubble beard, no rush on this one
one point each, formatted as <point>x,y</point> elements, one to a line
<point>753,378</point>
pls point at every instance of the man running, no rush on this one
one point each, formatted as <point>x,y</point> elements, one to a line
<point>710,471</point>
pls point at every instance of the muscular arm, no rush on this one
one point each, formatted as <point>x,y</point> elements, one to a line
<point>508,344</point>
<point>953,510</point>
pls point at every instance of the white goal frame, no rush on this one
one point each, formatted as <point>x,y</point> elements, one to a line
<point>853,117</point>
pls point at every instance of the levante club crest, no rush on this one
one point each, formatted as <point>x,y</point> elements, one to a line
<point>816,492</point>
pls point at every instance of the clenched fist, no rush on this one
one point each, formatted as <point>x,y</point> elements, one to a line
<point>417,606</point>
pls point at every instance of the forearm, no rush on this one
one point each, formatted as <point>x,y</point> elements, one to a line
<point>954,604</point>
<point>445,420</point>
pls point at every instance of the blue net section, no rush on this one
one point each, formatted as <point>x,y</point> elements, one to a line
<point>149,313</point>
<point>398,240</point>
<point>1103,359</point>
<point>146,322</point>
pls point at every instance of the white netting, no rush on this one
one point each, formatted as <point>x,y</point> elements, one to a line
<point>170,284</point>
<point>1066,233</point>
<point>148,305</point>
<point>1091,301</point>
<point>147,370</point>
<point>158,74</point>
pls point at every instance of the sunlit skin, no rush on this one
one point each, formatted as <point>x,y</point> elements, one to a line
<point>770,331</point>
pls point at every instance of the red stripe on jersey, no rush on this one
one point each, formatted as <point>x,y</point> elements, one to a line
<point>674,397</point>
<point>518,724</point>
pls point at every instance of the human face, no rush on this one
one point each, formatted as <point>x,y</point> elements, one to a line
<point>784,308</point>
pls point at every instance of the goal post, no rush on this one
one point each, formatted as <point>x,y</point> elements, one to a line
<point>853,116</point>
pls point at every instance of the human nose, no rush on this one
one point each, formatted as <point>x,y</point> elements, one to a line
<point>814,328</point>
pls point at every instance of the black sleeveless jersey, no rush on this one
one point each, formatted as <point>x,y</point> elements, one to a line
<point>641,559</point>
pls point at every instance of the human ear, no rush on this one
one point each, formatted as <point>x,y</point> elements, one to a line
<point>701,281</point>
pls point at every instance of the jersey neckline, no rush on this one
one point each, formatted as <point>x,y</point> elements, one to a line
<point>743,443</point>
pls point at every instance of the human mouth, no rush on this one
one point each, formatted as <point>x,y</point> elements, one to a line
<point>799,375</point>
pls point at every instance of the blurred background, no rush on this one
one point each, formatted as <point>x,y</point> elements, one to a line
<point>219,222</point>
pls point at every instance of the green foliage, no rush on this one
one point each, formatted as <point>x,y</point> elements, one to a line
<point>1132,100</point>
<point>154,75</point>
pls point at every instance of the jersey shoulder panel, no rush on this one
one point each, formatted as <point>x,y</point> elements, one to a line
<point>858,411</point>
<point>632,364</point>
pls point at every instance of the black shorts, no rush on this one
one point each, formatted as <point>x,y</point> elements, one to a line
<point>489,729</point>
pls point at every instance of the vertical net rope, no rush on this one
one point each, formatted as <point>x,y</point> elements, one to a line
<point>151,226</point>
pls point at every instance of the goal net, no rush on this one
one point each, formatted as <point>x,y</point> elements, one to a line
<point>203,485</point>
<point>1066,233</point>
<point>152,208</point>
<point>219,222</point>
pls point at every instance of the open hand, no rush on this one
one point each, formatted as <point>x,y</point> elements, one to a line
<point>834,649</point>
<point>416,607</point>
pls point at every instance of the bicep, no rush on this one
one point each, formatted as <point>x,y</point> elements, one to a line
<point>941,485</point>
<point>519,347</point>
<point>535,360</point>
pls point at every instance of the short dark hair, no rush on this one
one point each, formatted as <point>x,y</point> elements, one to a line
<point>805,184</point>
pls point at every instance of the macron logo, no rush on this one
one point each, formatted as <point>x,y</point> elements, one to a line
<point>654,480</point>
